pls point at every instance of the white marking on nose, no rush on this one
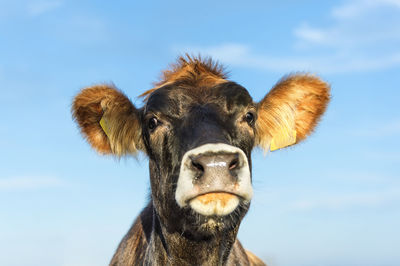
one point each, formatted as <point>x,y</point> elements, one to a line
<point>222,164</point>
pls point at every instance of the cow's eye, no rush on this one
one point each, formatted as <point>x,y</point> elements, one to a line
<point>153,123</point>
<point>249,118</point>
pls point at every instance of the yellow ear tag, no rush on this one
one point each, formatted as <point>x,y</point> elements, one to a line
<point>284,138</point>
<point>103,125</point>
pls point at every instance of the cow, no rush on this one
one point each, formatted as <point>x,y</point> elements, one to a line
<point>198,130</point>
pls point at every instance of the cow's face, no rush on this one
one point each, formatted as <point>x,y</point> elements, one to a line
<point>199,143</point>
<point>198,137</point>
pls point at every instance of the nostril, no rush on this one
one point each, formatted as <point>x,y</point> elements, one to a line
<point>234,163</point>
<point>197,166</point>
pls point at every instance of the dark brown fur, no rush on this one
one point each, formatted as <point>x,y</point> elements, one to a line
<point>130,250</point>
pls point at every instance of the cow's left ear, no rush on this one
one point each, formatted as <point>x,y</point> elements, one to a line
<point>108,120</point>
<point>290,111</point>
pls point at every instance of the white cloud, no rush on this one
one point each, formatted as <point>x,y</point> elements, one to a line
<point>86,29</point>
<point>37,8</point>
<point>386,156</point>
<point>243,56</point>
<point>11,10</point>
<point>29,183</point>
<point>356,8</point>
<point>388,129</point>
<point>305,32</point>
<point>372,25</point>
<point>362,177</point>
<point>363,36</point>
<point>340,191</point>
<point>346,201</point>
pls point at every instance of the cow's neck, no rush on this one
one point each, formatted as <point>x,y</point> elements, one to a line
<point>174,248</point>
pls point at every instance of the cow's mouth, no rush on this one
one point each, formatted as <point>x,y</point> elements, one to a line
<point>215,203</point>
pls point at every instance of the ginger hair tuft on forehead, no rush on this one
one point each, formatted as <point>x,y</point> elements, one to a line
<point>191,72</point>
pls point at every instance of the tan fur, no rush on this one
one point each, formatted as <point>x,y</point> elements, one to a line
<point>254,260</point>
<point>222,197</point>
<point>121,117</point>
<point>296,103</point>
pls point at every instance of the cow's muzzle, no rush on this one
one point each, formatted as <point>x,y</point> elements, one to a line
<point>213,179</point>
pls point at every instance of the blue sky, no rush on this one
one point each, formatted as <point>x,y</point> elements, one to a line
<point>332,200</point>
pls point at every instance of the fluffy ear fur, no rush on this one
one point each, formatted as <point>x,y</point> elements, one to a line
<point>108,120</point>
<point>290,111</point>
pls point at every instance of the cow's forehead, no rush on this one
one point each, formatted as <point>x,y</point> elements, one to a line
<point>228,95</point>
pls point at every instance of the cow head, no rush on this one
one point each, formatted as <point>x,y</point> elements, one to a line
<point>198,130</point>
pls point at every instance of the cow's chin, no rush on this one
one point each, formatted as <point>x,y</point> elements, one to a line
<point>214,213</point>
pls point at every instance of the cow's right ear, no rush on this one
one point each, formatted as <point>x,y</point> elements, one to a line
<point>108,120</point>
